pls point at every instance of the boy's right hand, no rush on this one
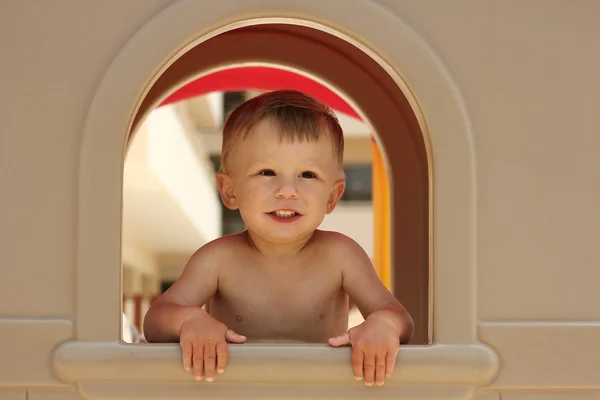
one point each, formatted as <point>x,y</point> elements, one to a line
<point>203,342</point>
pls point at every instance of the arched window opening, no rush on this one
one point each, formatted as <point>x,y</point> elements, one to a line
<point>195,111</point>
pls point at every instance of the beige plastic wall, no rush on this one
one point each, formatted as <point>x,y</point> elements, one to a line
<point>509,93</point>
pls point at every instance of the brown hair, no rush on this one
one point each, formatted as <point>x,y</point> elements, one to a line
<point>299,116</point>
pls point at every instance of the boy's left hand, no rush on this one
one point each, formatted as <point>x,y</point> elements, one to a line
<point>375,345</point>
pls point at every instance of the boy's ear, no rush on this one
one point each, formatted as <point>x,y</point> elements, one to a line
<point>225,186</point>
<point>335,195</point>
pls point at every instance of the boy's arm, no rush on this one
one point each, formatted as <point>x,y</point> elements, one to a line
<point>184,299</point>
<point>373,299</point>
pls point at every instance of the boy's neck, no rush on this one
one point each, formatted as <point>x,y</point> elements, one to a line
<point>277,250</point>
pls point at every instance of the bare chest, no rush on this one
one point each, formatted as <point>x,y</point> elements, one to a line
<point>300,302</point>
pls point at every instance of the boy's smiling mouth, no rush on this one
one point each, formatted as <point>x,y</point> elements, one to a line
<point>285,215</point>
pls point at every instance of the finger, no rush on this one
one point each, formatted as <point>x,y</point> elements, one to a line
<point>233,337</point>
<point>369,367</point>
<point>186,353</point>
<point>380,369</point>
<point>357,363</point>
<point>222,355</point>
<point>210,361</point>
<point>391,361</point>
<point>341,340</point>
<point>198,359</point>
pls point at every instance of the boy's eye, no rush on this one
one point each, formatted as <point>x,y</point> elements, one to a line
<point>308,175</point>
<point>267,172</point>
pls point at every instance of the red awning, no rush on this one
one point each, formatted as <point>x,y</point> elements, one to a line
<point>263,79</point>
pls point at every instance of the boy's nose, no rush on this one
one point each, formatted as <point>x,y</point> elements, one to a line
<point>286,191</point>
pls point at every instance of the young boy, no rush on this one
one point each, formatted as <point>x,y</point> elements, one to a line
<point>282,279</point>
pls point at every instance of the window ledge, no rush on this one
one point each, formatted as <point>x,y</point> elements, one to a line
<point>468,365</point>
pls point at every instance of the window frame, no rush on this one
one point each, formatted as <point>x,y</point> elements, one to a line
<point>104,141</point>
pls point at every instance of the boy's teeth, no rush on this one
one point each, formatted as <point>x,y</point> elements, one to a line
<point>285,214</point>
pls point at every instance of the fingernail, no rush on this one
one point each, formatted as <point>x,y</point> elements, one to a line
<point>380,383</point>
<point>198,378</point>
<point>210,379</point>
<point>369,383</point>
<point>220,371</point>
<point>186,368</point>
<point>358,378</point>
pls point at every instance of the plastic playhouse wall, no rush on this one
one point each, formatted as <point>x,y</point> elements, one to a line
<point>503,94</point>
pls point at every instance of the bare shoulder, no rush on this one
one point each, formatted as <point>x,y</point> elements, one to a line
<point>216,252</point>
<point>200,277</point>
<point>344,249</point>
<point>359,277</point>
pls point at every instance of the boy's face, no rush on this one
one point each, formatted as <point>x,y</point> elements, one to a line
<point>282,188</point>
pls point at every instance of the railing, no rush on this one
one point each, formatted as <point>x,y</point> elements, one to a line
<point>135,307</point>
<point>116,370</point>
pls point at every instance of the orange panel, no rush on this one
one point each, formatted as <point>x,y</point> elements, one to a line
<point>381,217</point>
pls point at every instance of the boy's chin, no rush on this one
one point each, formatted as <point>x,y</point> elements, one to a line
<point>282,235</point>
